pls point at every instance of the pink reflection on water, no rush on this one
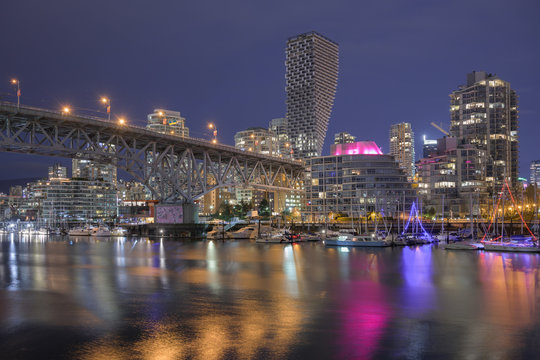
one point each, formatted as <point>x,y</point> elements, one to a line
<point>365,316</point>
<point>357,148</point>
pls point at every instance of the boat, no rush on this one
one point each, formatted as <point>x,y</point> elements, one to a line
<point>462,245</point>
<point>511,245</point>
<point>80,231</point>
<point>118,231</point>
<point>247,232</point>
<point>310,237</point>
<point>101,231</point>
<point>364,240</point>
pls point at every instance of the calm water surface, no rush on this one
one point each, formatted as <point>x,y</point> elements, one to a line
<point>149,299</point>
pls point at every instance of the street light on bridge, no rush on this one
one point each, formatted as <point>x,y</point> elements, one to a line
<point>212,126</point>
<point>121,121</point>
<point>18,83</point>
<point>107,102</point>
<point>66,110</point>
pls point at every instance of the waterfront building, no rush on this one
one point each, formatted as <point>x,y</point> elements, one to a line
<point>535,173</point>
<point>344,138</point>
<point>132,190</point>
<point>356,183</point>
<point>484,113</point>
<point>453,175</point>
<point>429,147</point>
<point>62,200</point>
<point>312,63</point>
<point>278,126</point>
<point>402,147</point>
<point>167,122</point>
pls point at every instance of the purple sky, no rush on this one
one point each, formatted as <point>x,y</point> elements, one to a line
<point>223,61</point>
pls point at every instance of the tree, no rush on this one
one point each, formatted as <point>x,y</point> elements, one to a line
<point>264,208</point>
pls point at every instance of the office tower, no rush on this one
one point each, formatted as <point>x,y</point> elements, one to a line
<point>344,138</point>
<point>279,127</point>
<point>402,147</point>
<point>483,113</point>
<point>535,172</point>
<point>167,122</point>
<point>311,72</point>
<point>429,148</point>
<point>356,183</point>
<point>57,171</point>
<point>257,139</point>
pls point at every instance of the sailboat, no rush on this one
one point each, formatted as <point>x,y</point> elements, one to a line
<point>506,243</point>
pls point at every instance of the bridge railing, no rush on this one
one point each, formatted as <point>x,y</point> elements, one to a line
<point>194,140</point>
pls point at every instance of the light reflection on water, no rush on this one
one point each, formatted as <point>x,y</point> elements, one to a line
<point>124,298</point>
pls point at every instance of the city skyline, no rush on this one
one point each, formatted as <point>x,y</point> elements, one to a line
<point>374,66</point>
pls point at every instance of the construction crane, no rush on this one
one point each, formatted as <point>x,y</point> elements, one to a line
<point>440,129</point>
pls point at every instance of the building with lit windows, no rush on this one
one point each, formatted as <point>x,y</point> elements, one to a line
<point>64,201</point>
<point>278,127</point>
<point>484,113</point>
<point>257,139</point>
<point>429,147</point>
<point>402,147</point>
<point>312,63</point>
<point>57,171</point>
<point>453,175</point>
<point>92,170</point>
<point>344,138</point>
<point>535,172</point>
<point>356,183</point>
<point>167,122</point>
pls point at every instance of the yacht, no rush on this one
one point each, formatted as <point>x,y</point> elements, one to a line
<point>80,231</point>
<point>101,231</point>
<point>118,231</point>
<point>364,240</point>
<point>462,245</point>
<point>248,232</point>
<point>512,246</point>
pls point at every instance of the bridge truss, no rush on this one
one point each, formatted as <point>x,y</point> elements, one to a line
<point>175,169</point>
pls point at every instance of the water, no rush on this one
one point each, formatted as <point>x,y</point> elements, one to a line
<point>140,299</point>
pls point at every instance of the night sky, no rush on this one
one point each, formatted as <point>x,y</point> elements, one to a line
<point>223,61</point>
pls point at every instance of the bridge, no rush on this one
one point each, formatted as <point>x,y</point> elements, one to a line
<point>175,169</point>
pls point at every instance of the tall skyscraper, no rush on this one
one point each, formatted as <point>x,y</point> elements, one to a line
<point>535,172</point>
<point>311,72</point>
<point>344,138</point>
<point>402,147</point>
<point>484,113</point>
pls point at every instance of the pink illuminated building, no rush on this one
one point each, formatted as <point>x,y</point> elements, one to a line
<point>356,148</point>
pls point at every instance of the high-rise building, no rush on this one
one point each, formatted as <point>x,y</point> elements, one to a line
<point>257,139</point>
<point>453,177</point>
<point>535,172</point>
<point>311,72</point>
<point>279,127</point>
<point>57,171</point>
<point>356,184</point>
<point>91,170</point>
<point>167,122</point>
<point>429,148</point>
<point>402,147</point>
<point>344,138</point>
<point>483,113</point>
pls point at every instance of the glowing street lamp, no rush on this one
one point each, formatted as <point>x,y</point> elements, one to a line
<point>66,110</point>
<point>18,83</point>
<point>121,121</point>
<point>212,126</point>
<point>107,102</point>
